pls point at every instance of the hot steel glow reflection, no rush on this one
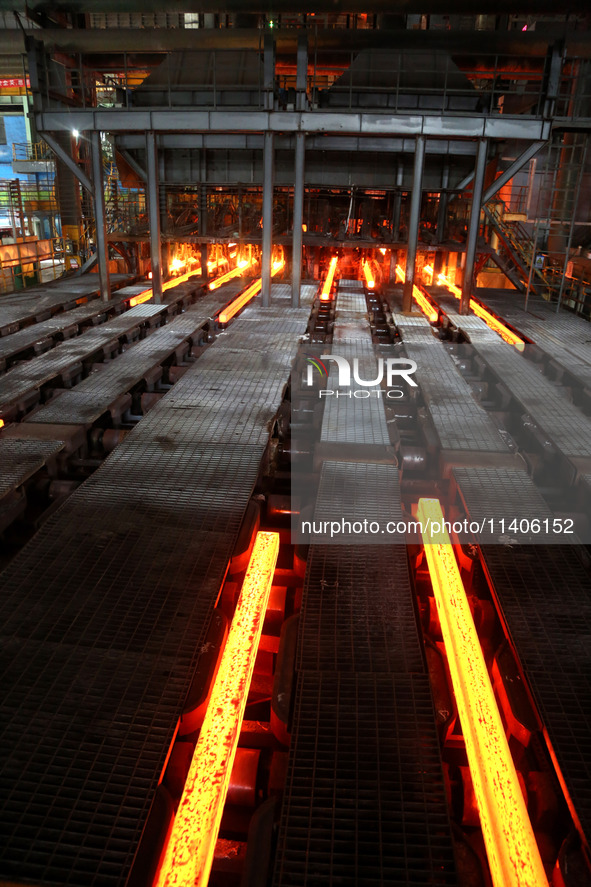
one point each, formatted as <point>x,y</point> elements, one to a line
<point>421,300</point>
<point>511,847</point>
<point>189,853</point>
<point>494,323</point>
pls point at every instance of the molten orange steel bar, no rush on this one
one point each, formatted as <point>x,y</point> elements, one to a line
<point>421,300</point>
<point>513,854</point>
<point>369,278</point>
<point>490,320</point>
<point>235,272</point>
<point>327,286</point>
<point>144,296</point>
<point>230,310</point>
<point>189,853</point>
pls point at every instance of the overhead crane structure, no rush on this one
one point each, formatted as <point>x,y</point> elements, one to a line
<point>194,690</point>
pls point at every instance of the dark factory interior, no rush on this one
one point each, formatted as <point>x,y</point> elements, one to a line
<point>295,443</point>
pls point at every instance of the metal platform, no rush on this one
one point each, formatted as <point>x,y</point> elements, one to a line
<point>19,461</point>
<point>364,801</point>
<point>92,397</point>
<point>460,422</point>
<point>42,336</point>
<point>358,613</point>
<point>22,383</point>
<point>562,337</point>
<point>567,428</point>
<point>501,495</point>
<point>19,309</point>
<point>543,592</point>
<point>103,615</point>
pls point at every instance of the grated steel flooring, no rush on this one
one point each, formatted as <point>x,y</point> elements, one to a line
<point>358,613</point>
<point>20,459</point>
<point>461,423</point>
<point>95,394</point>
<point>39,303</point>
<point>364,800</point>
<point>98,646</point>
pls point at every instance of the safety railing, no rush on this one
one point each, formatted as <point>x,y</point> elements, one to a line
<point>392,80</point>
<point>30,262</point>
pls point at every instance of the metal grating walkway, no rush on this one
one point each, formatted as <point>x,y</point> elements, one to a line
<point>95,394</point>
<point>358,613</point>
<point>18,309</point>
<point>544,593</point>
<point>24,381</point>
<point>461,423</point>
<point>98,646</point>
<point>20,459</point>
<point>564,424</point>
<point>365,802</point>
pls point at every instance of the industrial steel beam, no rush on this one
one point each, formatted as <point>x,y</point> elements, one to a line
<point>267,252</point>
<point>473,226</point>
<point>254,142</point>
<point>397,203</point>
<point>154,215</point>
<point>140,173</point>
<point>67,160</point>
<point>117,120</point>
<point>413,224</point>
<point>275,7</point>
<point>517,164</point>
<point>102,246</point>
<point>298,219</point>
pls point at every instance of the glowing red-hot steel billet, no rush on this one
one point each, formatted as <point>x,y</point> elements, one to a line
<point>230,310</point>
<point>369,278</point>
<point>490,320</point>
<point>234,272</point>
<point>425,305</point>
<point>327,285</point>
<point>422,301</point>
<point>189,853</point>
<point>513,854</point>
<point>141,297</point>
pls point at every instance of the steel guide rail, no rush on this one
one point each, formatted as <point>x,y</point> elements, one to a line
<point>364,801</point>
<point>99,646</point>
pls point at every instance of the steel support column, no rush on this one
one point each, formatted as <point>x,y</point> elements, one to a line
<point>298,218</point>
<point>473,226</point>
<point>413,224</point>
<point>154,214</point>
<point>269,170</point>
<point>102,246</point>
